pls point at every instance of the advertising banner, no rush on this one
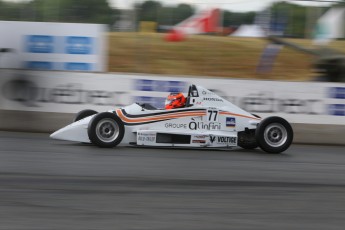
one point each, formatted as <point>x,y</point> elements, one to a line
<point>70,92</point>
<point>54,46</point>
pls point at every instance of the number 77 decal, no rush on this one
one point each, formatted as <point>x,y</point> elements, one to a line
<point>212,115</point>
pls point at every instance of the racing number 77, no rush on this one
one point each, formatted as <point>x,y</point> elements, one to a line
<point>212,114</point>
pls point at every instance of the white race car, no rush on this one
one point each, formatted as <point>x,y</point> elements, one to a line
<point>207,121</point>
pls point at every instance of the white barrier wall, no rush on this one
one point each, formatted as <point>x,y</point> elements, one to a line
<point>54,46</point>
<point>70,92</point>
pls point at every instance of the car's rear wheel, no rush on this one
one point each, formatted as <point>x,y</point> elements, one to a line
<point>106,130</point>
<point>84,113</point>
<point>274,135</point>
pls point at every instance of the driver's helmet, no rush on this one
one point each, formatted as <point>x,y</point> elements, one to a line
<point>175,100</point>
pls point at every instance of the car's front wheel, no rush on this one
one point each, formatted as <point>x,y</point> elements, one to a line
<point>246,139</point>
<point>106,130</point>
<point>274,135</point>
<point>84,113</point>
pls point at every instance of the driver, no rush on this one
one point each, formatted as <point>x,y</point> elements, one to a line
<point>175,100</point>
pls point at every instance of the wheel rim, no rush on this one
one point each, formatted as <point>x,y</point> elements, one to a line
<point>107,130</point>
<point>275,134</point>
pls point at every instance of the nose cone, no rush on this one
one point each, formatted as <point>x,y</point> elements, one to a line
<point>57,135</point>
<point>76,131</point>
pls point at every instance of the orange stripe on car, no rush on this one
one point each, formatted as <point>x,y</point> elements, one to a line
<point>158,117</point>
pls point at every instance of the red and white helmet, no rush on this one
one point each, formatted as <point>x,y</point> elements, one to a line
<point>175,100</point>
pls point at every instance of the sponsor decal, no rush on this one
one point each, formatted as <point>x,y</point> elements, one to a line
<point>212,99</point>
<point>223,140</point>
<point>338,108</point>
<point>175,126</point>
<point>228,140</point>
<point>199,141</point>
<point>336,92</point>
<point>207,93</point>
<point>212,138</point>
<point>63,48</point>
<point>199,118</point>
<point>230,122</point>
<point>39,44</point>
<point>79,45</point>
<point>212,115</point>
<point>268,103</point>
<point>31,94</point>
<point>197,125</point>
<point>160,86</point>
<point>39,65</point>
<point>195,93</point>
<point>77,66</point>
<point>147,137</point>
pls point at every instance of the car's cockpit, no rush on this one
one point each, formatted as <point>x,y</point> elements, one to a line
<point>147,106</point>
<point>192,93</point>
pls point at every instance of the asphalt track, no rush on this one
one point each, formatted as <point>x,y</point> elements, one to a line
<point>49,184</point>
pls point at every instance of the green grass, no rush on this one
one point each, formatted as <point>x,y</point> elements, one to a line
<point>205,56</point>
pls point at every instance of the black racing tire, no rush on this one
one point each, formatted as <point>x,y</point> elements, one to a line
<point>84,113</point>
<point>106,130</point>
<point>274,135</point>
<point>248,145</point>
<point>246,139</point>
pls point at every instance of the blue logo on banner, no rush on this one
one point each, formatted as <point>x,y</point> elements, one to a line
<point>79,45</point>
<point>39,65</point>
<point>39,44</point>
<point>337,109</point>
<point>76,66</point>
<point>230,122</point>
<point>337,93</point>
<point>160,86</point>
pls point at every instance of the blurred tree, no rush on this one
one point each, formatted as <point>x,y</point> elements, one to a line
<point>164,15</point>
<point>294,20</point>
<point>183,11</point>
<point>292,16</point>
<point>149,11</point>
<point>86,11</point>
<point>288,18</point>
<point>342,3</point>
<point>11,10</point>
<point>233,19</point>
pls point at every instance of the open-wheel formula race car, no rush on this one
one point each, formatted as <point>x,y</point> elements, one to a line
<point>207,121</point>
